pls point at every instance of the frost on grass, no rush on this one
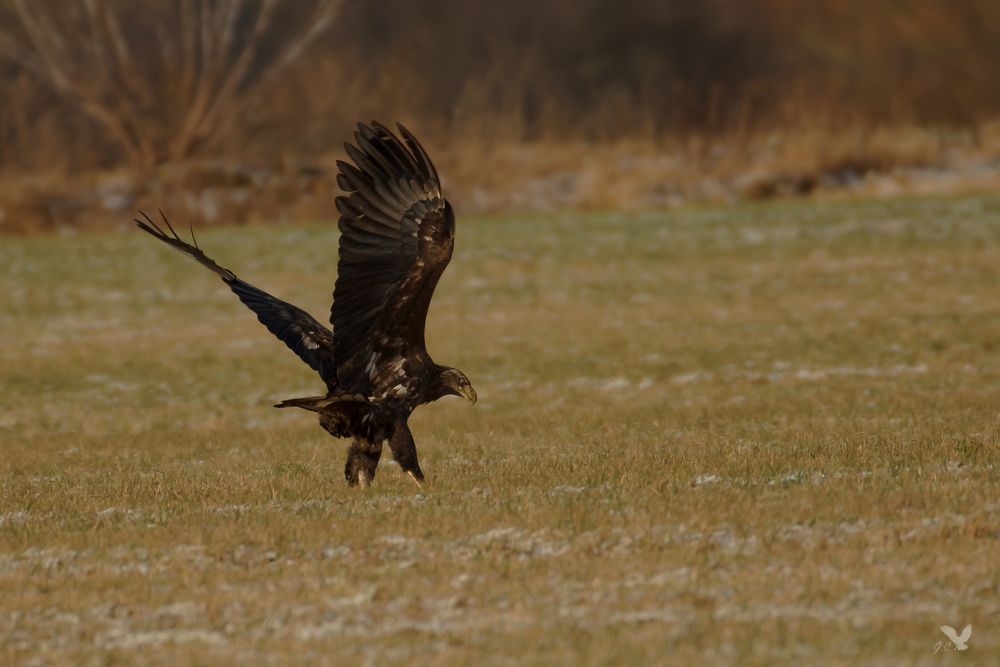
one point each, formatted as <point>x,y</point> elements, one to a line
<point>783,373</point>
<point>124,639</point>
<point>706,480</point>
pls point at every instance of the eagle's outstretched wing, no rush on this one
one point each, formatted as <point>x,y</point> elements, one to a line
<point>397,234</point>
<point>296,328</point>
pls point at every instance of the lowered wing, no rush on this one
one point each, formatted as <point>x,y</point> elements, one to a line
<point>310,340</point>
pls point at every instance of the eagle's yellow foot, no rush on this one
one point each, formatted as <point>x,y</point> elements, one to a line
<point>419,481</point>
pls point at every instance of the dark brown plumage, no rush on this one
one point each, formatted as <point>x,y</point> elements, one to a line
<point>397,232</point>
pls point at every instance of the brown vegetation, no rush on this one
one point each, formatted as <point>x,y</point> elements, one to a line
<point>157,79</point>
<point>778,93</point>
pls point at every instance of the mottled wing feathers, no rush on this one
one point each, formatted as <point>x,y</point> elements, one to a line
<point>306,337</point>
<point>395,227</point>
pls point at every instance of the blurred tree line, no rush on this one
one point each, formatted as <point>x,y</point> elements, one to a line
<point>103,83</point>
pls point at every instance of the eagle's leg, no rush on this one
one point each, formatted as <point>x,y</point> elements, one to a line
<point>404,450</point>
<point>362,460</point>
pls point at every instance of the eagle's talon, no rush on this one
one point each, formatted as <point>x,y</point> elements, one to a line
<point>417,478</point>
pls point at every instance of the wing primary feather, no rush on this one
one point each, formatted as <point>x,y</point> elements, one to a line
<point>392,142</point>
<point>419,153</point>
<point>362,160</point>
<point>390,221</point>
<point>370,196</point>
<point>367,143</point>
<point>344,184</point>
<point>169,226</point>
<point>367,190</point>
<point>390,197</point>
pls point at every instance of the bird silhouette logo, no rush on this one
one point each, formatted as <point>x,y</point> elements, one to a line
<point>959,640</point>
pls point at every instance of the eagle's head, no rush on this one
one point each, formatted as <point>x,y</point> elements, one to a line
<point>454,382</point>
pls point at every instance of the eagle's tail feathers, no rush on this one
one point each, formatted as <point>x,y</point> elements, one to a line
<point>320,403</point>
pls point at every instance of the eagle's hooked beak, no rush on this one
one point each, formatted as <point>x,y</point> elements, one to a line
<point>469,393</point>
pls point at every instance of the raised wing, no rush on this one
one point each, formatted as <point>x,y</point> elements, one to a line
<point>397,234</point>
<point>310,340</point>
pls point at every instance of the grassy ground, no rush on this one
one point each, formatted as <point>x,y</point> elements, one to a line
<point>754,435</point>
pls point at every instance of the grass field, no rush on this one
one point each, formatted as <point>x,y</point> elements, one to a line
<point>753,435</point>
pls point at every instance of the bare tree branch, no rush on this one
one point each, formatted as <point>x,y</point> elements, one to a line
<point>162,97</point>
<point>321,19</point>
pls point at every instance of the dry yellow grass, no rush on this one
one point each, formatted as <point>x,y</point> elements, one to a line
<point>486,174</point>
<point>749,435</point>
<point>853,159</point>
